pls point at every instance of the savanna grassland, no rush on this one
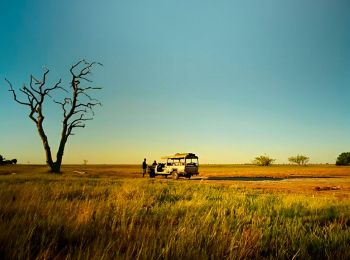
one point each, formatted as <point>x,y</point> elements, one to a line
<point>237,212</point>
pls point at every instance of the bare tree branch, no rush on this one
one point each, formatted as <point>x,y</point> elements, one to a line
<point>46,91</point>
<point>44,79</point>
<point>29,92</point>
<point>79,125</point>
<point>86,79</point>
<point>79,111</point>
<point>87,88</point>
<point>76,123</point>
<point>71,70</point>
<point>14,95</point>
<point>90,106</point>
<point>88,96</point>
<point>78,120</point>
<point>31,80</point>
<point>63,106</point>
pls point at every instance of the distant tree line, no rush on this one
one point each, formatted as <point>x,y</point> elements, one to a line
<point>4,161</point>
<point>265,160</point>
<point>302,160</point>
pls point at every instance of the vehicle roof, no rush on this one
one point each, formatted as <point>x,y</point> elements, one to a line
<point>181,156</point>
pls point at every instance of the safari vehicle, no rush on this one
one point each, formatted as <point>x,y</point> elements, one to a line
<point>178,165</point>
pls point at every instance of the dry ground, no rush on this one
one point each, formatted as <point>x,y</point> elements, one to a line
<point>313,180</point>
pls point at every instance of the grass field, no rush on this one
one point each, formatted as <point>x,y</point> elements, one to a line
<point>111,212</point>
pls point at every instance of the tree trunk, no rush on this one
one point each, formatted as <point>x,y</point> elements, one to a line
<point>47,148</point>
<point>60,153</point>
<point>55,168</point>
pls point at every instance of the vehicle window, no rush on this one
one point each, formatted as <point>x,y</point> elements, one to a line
<point>192,162</point>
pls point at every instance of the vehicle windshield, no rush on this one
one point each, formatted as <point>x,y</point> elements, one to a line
<point>177,161</point>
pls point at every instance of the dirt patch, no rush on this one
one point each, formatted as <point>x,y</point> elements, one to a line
<point>313,180</point>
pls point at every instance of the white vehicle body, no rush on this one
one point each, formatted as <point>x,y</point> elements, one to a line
<point>178,165</point>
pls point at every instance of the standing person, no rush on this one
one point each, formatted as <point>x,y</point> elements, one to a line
<point>144,167</point>
<point>154,164</point>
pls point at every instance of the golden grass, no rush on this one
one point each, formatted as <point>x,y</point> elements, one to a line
<point>111,212</point>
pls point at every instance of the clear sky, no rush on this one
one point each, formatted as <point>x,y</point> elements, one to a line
<point>227,80</point>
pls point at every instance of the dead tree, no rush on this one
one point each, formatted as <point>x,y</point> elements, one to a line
<point>73,108</point>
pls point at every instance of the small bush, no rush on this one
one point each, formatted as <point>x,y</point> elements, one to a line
<point>299,159</point>
<point>263,160</point>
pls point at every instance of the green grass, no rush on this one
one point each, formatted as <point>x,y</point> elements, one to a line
<point>66,217</point>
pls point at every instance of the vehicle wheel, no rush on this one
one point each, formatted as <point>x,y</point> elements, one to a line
<point>189,176</point>
<point>175,175</point>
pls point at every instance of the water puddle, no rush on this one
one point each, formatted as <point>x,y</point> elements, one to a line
<point>238,178</point>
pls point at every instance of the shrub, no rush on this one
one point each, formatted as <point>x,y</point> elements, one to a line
<point>263,160</point>
<point>4,161</point>
<point>299,159</point>
<point>343,159</point>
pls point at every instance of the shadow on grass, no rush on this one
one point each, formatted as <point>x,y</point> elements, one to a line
<point>260,178</point>
<point>238,179</point>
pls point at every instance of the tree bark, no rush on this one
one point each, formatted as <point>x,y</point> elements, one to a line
<point>45,141</point>
<point>60,151</point>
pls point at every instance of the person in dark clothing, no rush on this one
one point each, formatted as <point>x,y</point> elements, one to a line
<point>154,163</point>
<point>144,167</point>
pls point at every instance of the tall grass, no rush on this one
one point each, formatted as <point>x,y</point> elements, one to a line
<point>60,217</point>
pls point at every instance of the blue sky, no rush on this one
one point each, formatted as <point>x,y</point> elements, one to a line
<point>227,80</point>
